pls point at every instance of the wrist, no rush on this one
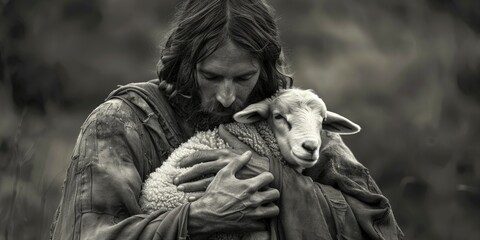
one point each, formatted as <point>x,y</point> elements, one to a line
<point>198,224</point>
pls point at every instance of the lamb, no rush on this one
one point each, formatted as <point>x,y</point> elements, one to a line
<point>284,127</point>
<point>296,117</point>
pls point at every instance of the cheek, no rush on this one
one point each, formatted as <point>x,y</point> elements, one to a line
<point>281,134</point>
<point>283,145</point>
<point>243,89</point>
<point>207,89</point>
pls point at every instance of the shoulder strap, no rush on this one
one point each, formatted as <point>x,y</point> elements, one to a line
<point>154,111</point>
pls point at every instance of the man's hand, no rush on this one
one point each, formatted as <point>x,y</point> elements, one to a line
<point>209,162</point>
<point>232,204</point>
<point>228,203</point>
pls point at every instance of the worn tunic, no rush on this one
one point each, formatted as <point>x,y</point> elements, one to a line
<point>113,155</point>
<point>128,136</point>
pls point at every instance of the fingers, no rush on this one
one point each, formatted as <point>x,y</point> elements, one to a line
<point>200,156</point>
<point>265,211</point>
<point>195,196</point>
<point>197,186</point>
<point>234,166</point>
<point>263,197</point>
<point>259,181</point>
<point>199,170</point>
<point>231,139</point>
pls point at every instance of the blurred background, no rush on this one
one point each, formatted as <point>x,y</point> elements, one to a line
<point>407,71</point>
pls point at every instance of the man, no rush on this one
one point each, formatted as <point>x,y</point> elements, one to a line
<point>221,56</point>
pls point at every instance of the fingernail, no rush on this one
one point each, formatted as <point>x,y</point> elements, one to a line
<point>247,153</point>
<point>191,199</point>
<point>181,188</point>
<point>175,180</point>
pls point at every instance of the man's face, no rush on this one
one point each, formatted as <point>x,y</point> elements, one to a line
<point>226,78</point>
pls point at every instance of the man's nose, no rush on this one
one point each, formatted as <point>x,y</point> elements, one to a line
<point>226,93</point>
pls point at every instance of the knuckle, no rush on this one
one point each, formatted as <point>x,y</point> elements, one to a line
<point>223,152</point>
<point>195,155</point>
<point>190,159</point>
<point>223,161</point>
<point>184,162</point>
<point>197,168</point>
<point>222,172</point>
<point>249,188</point>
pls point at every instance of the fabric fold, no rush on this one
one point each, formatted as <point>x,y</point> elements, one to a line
<point>337,196</point>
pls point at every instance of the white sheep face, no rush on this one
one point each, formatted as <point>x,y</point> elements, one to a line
<point>296,117</point>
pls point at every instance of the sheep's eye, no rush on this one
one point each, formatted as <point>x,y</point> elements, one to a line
<point>279,116</point>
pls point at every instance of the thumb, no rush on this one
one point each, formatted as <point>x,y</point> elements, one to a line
<point>232,140</point>
<point>234,166</point>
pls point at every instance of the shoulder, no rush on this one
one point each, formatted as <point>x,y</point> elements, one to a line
<point>112,117</point>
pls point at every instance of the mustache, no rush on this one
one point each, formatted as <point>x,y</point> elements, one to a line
<point>214,106</point>
<point>212,113</point>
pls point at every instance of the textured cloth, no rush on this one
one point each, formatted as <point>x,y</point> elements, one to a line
<point>338,195</point>
<point>119,144</point>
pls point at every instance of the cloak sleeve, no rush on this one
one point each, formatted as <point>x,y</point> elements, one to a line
<point>103,182</point>
<point>336,199</point>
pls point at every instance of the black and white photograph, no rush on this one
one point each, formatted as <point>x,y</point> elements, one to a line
<point>240,119</point>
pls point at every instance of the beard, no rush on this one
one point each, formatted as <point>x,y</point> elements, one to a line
<point>212,113</point>
<point>203,117</point>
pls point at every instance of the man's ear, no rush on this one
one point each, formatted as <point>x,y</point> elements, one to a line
<point>253,112</point>
<point>339,124</point>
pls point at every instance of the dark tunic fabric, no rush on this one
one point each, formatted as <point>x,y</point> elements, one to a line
<point>133,132</point>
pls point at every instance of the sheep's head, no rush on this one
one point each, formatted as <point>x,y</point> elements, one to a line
<point>297,116</point>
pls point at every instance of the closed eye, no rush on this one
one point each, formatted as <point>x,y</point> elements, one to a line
<point>282,118</point>
<point>245,77</point>
<point>211,77</point>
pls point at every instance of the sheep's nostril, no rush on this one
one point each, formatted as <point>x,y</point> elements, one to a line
<point>310,146</point>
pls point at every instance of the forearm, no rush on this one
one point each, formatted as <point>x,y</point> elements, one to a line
<point>96,207</point>
<point>157,225</point>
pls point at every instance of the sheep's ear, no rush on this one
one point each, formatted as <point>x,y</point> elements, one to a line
<point>339,124</point>
<point>253,112</point>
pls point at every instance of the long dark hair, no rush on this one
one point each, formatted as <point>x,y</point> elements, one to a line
<point>201,27</point>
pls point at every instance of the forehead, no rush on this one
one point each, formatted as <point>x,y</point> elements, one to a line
<point>229,60</point>
<point>293,100</point>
